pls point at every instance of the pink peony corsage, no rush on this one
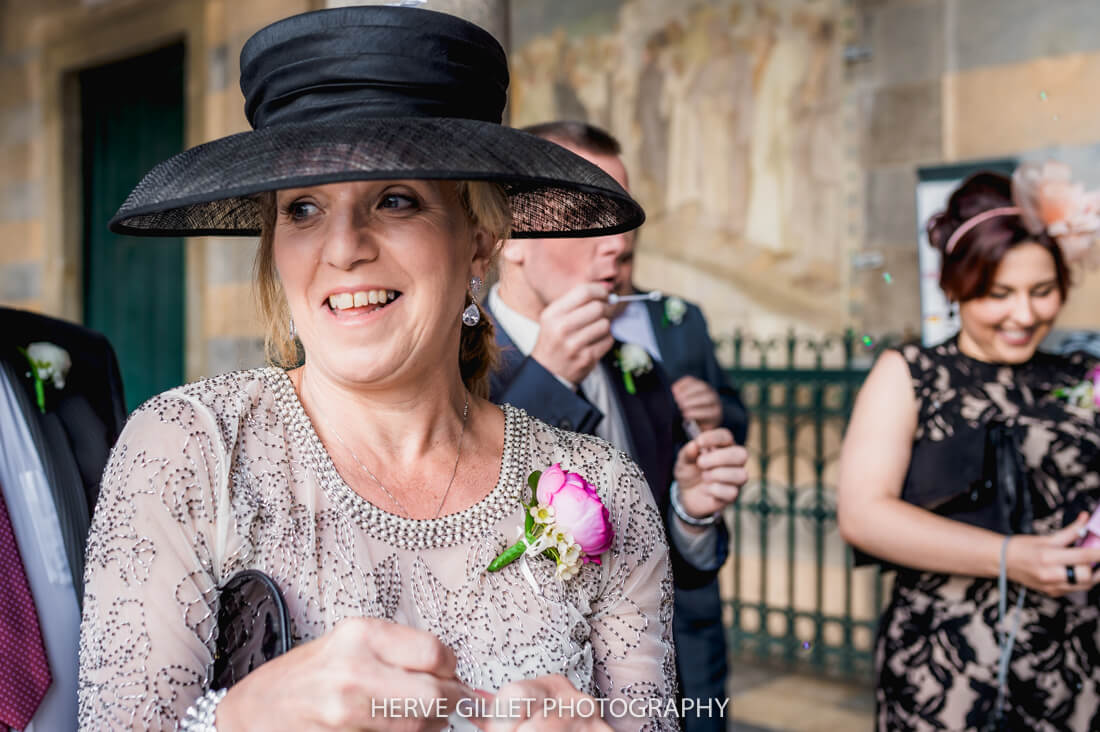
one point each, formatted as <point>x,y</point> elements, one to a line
<point>1050,201</point>
<point>565,521</point>
<point>1086,394</point>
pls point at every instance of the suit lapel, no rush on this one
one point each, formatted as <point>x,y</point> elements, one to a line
<point>59,465</point>
<point>639,418</point>
<point>662,332</point>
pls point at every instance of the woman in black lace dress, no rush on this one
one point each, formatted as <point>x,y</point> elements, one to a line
<point>964,469</point>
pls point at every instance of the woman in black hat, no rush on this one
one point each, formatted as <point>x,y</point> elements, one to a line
<point>373,482</point>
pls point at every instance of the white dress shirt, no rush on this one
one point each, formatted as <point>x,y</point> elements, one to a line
<point>38,535</point>
<point>524,332</point>
<point>633,325</point>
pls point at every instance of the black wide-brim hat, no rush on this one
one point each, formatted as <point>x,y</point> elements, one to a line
<point>374,93</point>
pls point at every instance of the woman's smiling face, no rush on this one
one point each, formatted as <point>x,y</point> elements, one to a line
<point>1007,324</point>
<point>375,275</point>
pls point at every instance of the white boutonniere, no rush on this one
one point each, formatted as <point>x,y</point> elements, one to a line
<point>675,310</point>
<point>633,362</point>
<point>49,363</point>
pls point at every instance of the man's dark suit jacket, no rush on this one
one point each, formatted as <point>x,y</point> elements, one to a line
<point>686,350</point>
<point>651,418</point>
<point>81,423</point>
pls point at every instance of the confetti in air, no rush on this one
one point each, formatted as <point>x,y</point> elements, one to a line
<point>868,341</point>
<point>887,277</point>
<point>1043,95</point>
<point>806,645</point>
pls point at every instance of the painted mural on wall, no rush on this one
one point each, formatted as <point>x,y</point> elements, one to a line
<point>730,113</point>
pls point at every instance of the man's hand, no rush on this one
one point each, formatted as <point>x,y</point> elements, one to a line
<point>574,333</point>
<point>710,470</point>
<point>699,401</point>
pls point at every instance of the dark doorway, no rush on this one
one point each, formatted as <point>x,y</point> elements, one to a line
<point>132,118</point>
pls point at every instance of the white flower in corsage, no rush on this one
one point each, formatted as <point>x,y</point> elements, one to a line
<point>633,362</point>
<point>48,363</point>
<point>565,521</point>
<point>1085,394</point>
<point>675,310</point>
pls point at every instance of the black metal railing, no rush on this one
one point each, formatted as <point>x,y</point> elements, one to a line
<point>791,594</point>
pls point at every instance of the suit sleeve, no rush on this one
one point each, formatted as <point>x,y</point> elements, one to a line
<point>688,576</point>
<point>735,417</point>
<point>523,382</point>
<point>112,404</point>
<point>114,384</point>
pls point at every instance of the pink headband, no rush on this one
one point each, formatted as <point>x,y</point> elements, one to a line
<point>973,221</point>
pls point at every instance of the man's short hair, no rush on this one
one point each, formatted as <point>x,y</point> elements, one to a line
<point>578,134</point>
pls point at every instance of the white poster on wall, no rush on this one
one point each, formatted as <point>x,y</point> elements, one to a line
<point>938,323</point>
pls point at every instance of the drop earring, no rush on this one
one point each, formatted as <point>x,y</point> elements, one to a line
<point>293,330</point>
<point>471,316</point>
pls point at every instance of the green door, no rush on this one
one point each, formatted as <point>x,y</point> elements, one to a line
<point>132,118</point>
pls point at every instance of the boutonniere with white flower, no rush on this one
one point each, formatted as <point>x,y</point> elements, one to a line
<point>634,361</point>
<point>1085,394</point>
<point>49,363</point>
<point>565,521</point>
<point>675,310</point>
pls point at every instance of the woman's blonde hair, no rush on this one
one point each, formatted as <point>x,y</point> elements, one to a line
<point>486,206</point>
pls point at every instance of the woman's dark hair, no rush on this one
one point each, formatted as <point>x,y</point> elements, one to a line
<point>969,268</point>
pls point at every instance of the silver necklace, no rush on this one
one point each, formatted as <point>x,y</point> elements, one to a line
<point>392,497</point>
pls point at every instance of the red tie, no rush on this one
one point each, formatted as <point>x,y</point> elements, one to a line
<point>24,672</point>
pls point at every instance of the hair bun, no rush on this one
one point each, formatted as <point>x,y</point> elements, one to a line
<point>980,192</point>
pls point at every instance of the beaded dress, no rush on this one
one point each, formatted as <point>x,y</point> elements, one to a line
<point>227,474</point>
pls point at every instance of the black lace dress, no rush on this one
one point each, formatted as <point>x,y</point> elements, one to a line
<point>937,648</point>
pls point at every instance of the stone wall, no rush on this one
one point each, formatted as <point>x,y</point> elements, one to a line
<point>42,45</point>
<point>953,81</point>
<point>841,103</point>
<point>884,88</point>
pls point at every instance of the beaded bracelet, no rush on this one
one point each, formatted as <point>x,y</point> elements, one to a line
<point>200,715</point>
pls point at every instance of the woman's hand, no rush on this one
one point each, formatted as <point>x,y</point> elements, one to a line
<point>545,704</point>
<point>1040,562</point>
<point>364,674</point>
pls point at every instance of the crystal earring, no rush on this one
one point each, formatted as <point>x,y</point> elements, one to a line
<point>471,316</point>
<point>293,330</point>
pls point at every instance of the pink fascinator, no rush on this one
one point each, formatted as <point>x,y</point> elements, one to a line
<point>1050,201</point>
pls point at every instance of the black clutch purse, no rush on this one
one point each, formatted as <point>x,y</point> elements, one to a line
<point>253,626</point>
